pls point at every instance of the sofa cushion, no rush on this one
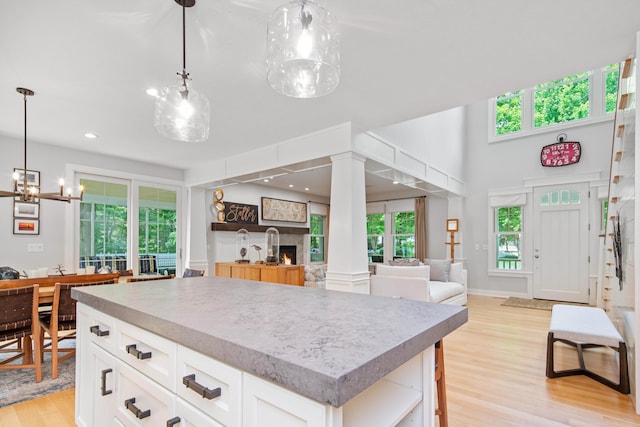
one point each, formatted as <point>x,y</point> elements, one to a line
<point>439,269</point>
<point>440,291</point>
<point>395,270</point>
<point>455,273</point>
<point>406,262</point>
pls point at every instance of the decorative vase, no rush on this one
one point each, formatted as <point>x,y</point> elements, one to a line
<point>272,237</point>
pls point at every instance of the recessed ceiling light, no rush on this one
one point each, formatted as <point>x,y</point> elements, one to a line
<point>395,182</point>
<point>306,188</point>
<point>290,185</point>
<point>266,180</point>
<point>90,135</point>
<point>152,91</point>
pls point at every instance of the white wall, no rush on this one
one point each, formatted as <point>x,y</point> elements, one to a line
<point>51,162</point>
<point>508,164</point>
<point>437,139</point>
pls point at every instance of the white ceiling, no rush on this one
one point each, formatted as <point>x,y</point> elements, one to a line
<point>91,61</point>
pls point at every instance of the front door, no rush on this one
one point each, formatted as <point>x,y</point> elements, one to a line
<point>561,243</point>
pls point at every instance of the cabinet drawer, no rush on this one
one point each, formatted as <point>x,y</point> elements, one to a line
<point>150,354</point>
<point>140,401</point>
<point>100,327</point>
<point>190,416</point>
<point>204,375</point>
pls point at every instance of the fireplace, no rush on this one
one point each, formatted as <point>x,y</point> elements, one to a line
<point>288,254</point>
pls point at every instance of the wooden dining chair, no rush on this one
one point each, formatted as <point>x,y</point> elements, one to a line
<point>188,272</point>
<point>148,278</point>
<point>19,326</point>
<point>60,323</point>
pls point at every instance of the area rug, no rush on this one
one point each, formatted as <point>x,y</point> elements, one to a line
<point>18,385</point>
<point>539,304</point>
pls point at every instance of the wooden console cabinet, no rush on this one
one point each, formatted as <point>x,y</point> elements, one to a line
<point>286,274</point>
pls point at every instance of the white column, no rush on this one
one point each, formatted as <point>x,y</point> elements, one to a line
<point>347,268</point>
<point>196,237</point>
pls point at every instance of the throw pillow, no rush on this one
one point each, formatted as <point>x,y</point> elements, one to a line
<point>455,274</point>
<point>439,269</point>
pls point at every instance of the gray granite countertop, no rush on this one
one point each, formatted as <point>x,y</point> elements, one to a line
<point>326,345</point>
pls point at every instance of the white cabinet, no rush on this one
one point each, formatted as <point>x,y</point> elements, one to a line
<point>130,377</point>
<point>127,376</point>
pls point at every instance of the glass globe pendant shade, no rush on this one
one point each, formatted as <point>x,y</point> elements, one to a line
<point>182,113</point>
<point>303,50</point>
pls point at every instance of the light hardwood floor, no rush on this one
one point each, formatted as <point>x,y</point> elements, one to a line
<point>495,374</point>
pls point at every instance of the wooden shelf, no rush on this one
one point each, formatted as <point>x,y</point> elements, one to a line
<point>252,228</point>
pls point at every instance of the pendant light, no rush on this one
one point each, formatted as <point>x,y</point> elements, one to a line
<point>182,113</point>
<point>303,50</point>
<point>25,187</point>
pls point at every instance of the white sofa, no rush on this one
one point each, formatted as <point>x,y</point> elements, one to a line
<point>416,282</point>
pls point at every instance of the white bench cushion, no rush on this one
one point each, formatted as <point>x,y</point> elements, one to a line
<point>583,324</point>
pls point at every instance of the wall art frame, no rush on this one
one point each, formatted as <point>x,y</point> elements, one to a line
<point>26,210</point>
<point>26,226</point>
<point>283,210</point>
<point>33,177</point>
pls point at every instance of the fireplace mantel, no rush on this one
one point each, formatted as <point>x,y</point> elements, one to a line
<point>225,226</point>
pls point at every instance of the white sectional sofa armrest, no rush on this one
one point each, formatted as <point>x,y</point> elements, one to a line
<point>415,288</point>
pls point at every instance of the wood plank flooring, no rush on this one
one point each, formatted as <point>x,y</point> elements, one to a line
<point>495,374</point>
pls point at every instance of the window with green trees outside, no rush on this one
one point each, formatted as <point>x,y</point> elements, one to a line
<point>404,235</point>
<point>559,101</point>
<point>375,237</point>
<point>508,234</point>
<point>316,231</point>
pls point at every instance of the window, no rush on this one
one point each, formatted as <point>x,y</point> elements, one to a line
<point>508,237</point>
<point>404,235</point>
<point>560,197</point>
<point>375,237</point>
<point>103,224</point>
<point>110,235</point>
<point>316,230</point>
<point>157,230</point>
<point>588,95</point>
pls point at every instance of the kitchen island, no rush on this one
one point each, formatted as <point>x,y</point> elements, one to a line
<point>231,352</point>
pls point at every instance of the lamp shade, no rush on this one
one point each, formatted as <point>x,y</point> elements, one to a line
<point>303,50</point>
<point>182,113</point>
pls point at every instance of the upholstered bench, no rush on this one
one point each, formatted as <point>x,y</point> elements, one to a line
<point>582,328</point>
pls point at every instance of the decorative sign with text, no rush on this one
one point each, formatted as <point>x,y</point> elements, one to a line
<point>239,213</point>
<point>560,154</point>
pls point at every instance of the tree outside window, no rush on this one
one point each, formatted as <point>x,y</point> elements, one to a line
<point>316,231</point>
<point>404,235</point>
<point>508,238</point>
<point>375,237</point>
<point>559,101</point>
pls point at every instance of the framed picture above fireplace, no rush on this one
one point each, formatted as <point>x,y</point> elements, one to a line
<point>283,210</point>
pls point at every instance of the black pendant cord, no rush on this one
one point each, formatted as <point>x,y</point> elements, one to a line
<point>24,188</point>
<point>184,38</point>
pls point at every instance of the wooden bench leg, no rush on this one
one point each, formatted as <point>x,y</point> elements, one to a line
<point>441,386</point>
<point>622,386</point>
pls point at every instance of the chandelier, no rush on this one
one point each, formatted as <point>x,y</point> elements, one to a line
<point>25,190</point>
<point>303,50</point>
<point>182,113</point>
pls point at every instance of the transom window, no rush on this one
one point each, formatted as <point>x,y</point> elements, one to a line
<point>588,95</point>
<point>560,197</point>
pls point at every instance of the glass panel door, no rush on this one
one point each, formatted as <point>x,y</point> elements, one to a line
<point>104,234</point>
<point>156,230</point>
